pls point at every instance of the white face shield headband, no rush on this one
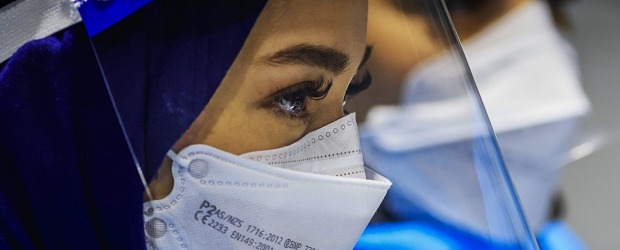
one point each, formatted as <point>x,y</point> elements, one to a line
<point>313,194</point>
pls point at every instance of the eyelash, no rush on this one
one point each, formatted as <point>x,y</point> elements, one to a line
<point>315,90</point>
<point>357,87</point>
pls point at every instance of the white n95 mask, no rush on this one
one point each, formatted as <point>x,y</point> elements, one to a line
<point>296,197</point>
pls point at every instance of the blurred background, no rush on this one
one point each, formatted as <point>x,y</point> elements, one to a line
<point>591,187</point>
<point>591,192</point>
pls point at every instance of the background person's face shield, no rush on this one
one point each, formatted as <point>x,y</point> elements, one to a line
<point>164,62</point>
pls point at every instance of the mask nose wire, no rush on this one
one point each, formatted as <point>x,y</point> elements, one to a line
<point>121,124</point>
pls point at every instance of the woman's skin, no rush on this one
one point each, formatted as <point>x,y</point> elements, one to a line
<point>291,43</point>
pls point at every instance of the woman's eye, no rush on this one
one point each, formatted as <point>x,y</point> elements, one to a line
<point>293,103</point>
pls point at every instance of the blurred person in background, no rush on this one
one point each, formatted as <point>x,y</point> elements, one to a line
<point>528,78</point>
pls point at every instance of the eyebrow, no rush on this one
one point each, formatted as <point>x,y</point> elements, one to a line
<point>314,56</point>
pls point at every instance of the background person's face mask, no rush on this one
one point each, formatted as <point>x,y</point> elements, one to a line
<point>301,201</point>
<point>424,145</point>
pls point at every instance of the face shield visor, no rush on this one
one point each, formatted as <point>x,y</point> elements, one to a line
<point>209,95</point>
<point>427,128</point>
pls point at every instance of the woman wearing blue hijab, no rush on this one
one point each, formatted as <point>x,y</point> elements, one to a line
<point>68,178</point>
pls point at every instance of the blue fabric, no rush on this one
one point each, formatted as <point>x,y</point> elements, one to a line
<point>409,236</point>
<point>67,179</point>
<point>557,235</point>
<point>422,235</point>
<point>165,62</point>
<point>99,15</point>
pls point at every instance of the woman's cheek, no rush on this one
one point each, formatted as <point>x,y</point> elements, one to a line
<point>242,132</point>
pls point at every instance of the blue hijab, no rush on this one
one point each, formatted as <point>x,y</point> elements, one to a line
<point>67,179</point>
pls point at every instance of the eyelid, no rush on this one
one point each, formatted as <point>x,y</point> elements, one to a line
<point>321,86</point>
<point>321,92</point>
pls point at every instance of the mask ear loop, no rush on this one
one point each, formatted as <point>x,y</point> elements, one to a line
<point>120,122</point>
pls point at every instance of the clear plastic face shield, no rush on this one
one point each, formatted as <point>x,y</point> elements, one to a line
<point>237,109</point>
<point>428,132</point>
